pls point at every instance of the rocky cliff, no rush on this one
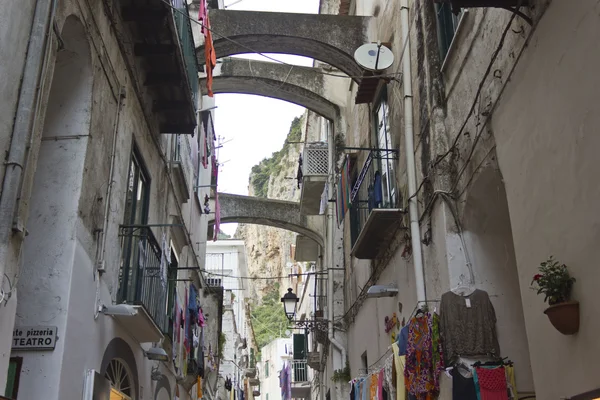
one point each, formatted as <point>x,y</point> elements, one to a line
<point>268,249</point>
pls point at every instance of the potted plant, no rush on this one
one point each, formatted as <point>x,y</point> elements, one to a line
<point>556,284</point>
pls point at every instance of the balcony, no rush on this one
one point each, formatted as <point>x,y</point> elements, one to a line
<point>307,250</point>
<point>159,43</point>
<point>300,379</point>
<point>314,361</point>
<point>142,284</point>
<point>181,166</point>
<point>374,214</point>
<point>315,169</point>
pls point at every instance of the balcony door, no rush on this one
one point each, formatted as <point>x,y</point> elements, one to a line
<point>136,213</point>
<point>385,158</point>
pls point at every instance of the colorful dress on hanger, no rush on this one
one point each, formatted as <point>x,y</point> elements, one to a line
<point>422,368</point>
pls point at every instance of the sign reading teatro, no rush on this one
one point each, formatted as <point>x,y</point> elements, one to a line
<point>34,338</point>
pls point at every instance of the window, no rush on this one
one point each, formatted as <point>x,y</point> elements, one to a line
<point>12,381</point>
<point>267,370</point>
<point>385,158</point>
<point>117,373</point>
<point>136,213</point>
<point>447,25</point>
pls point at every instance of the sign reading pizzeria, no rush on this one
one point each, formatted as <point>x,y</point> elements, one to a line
<point>34,338</point>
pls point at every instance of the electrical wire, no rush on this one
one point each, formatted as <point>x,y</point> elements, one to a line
<point>454,145</point>
<point>390,75</point>
<point>248,277</point>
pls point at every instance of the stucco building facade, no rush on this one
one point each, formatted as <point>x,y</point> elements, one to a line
<point>487,136</point>
<point>103,224</point>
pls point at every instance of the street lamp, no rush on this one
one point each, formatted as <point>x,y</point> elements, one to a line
<point>289,301</point>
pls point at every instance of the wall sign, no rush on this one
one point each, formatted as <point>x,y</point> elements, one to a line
<point>34,338</point>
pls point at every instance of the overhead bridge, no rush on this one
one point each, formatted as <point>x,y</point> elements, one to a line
<point>328,38</point>
<point>304,86</point>
<point>270,212</point>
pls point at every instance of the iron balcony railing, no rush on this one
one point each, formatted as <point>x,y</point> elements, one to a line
<point>375,187</point>
<point>142,279</point>
<point>299,371</point>
<point>186,39</point>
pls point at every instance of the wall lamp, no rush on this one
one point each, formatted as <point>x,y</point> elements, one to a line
<point>125,310</point>
<point>376,291</point>
<point>156,354</point>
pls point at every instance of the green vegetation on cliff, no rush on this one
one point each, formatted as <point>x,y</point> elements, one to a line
<point>261,173</point>
<point>269,319</point>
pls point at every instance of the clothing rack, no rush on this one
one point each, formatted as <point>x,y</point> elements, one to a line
<point>420,303</point>
<point>502,361</point>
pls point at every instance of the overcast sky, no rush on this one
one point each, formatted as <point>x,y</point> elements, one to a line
<point>253,127</point>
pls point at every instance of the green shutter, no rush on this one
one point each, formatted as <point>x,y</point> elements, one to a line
<point>13,378</point>
<point>299,346</point>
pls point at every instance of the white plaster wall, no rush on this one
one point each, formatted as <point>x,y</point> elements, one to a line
<point>545,128</point>
<point>58,286</point>
<point>274,353</point>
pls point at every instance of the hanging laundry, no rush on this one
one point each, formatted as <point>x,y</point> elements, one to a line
<point>210,57</point>
<point>377,190</point>
<point>204,140</point>
<point>422,368</point>
<point>176,324</point>
<point>399,362</point>
<point>324,200</point>
<point>373,387</point>
<point>510,380</point>
<point>463,387</point>
<point>491,383</point>
<point>402,340</point>
<point>380,380</point>
<point>202,14</point>
<point>199,388</point>
<point>201,320</point>
<point>468,326</point>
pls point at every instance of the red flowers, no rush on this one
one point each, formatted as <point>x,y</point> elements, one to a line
<point>537,277</point>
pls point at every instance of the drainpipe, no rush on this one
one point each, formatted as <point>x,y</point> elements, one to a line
<point>415,230</point>
<point>330,251</point>
<point>24,122</point>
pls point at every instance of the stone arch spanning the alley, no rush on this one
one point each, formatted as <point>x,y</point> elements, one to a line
<point>276,213</point>
<point>328,38</point>
<point>300,85</point>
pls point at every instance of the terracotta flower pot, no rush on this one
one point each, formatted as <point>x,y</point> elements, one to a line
<point>564,317</point>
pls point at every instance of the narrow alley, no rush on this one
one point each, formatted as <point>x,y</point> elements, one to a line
<point>299,199</point>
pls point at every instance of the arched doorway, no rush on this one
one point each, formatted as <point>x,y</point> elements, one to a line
<point>121,381</point>
<point>120,369</point>
<point>489,241</point>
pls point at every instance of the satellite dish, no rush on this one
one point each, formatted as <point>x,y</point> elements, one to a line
<point>374,56</point>
<point>287,332</point>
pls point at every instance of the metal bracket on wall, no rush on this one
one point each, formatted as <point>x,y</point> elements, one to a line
<point>312,324</point>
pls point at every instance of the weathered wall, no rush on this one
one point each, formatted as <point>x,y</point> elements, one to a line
<point>15,23</point>
<point>545,129</point>
<point>58,285</point>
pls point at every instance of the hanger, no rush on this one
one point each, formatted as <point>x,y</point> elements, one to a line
<point>498,362</point>
<point>464,289</point>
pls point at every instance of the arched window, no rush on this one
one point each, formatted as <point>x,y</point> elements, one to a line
<point>120,380</point>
